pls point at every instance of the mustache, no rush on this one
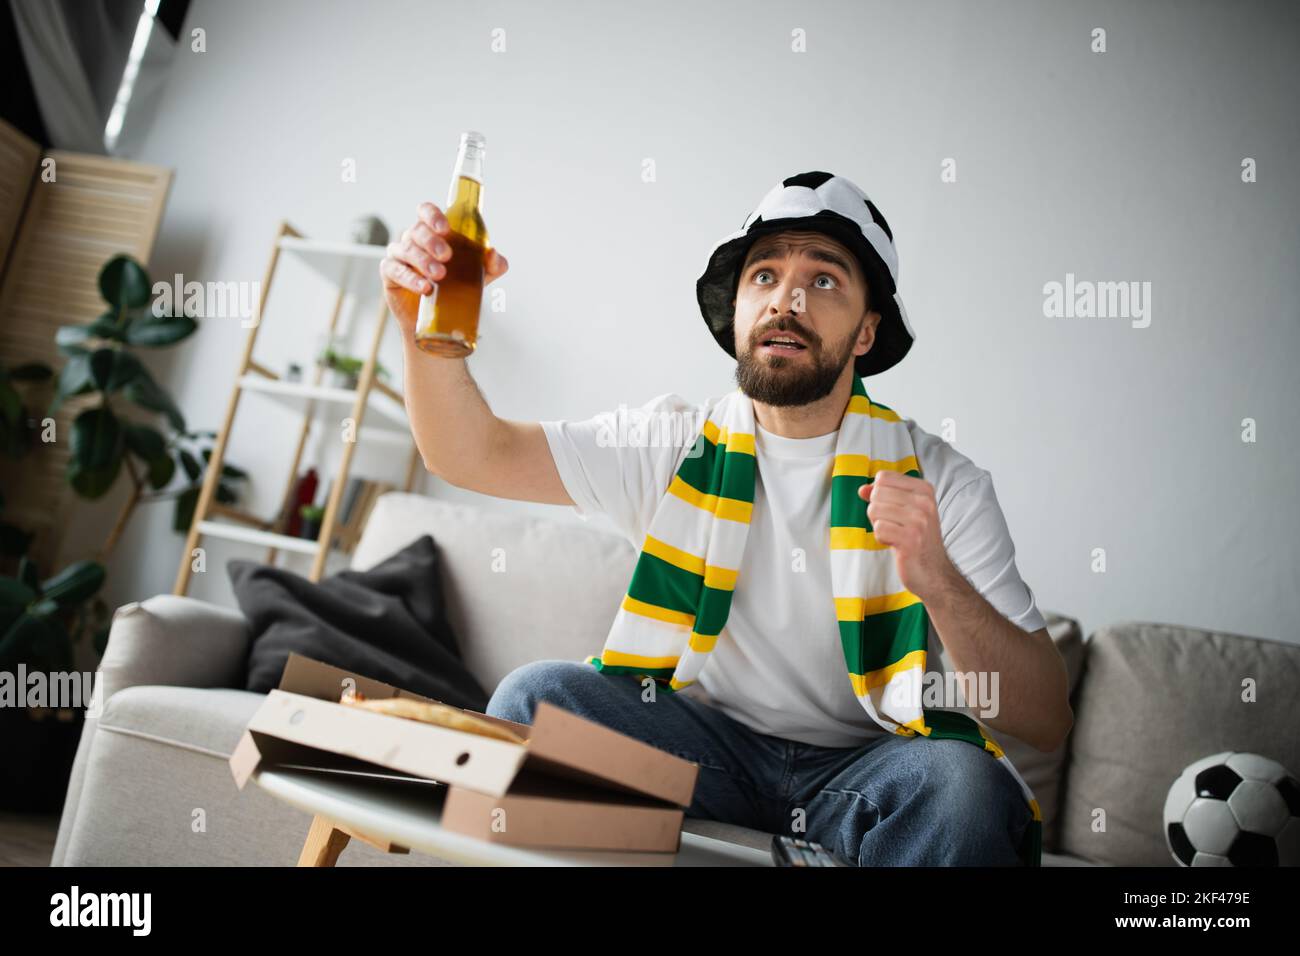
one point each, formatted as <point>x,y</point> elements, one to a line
<point>785,325</point>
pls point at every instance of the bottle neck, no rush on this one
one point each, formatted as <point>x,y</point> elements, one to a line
<point>467,178</point>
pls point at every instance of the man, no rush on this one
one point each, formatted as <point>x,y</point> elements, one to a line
<point>810,545</point>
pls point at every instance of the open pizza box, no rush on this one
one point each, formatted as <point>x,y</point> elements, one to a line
<point>568,783</point>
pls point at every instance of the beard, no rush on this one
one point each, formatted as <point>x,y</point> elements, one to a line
<point>786,380</point>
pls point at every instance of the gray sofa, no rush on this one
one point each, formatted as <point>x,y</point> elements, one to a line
<point>151,785</point>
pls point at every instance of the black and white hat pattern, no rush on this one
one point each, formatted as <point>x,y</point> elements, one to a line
<point>835,207</point>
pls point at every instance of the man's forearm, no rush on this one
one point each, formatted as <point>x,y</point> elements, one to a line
<point>450,420</point>
<point>1033,700</point>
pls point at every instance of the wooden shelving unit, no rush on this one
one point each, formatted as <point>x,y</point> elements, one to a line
<point>351,268</point>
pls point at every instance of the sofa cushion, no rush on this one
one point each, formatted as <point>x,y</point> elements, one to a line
<point>171,639</point>
<point>1154,698</point>
<point>209,720</point>
<point>388,622</point>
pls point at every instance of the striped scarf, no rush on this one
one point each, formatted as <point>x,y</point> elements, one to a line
<point>680,593</point>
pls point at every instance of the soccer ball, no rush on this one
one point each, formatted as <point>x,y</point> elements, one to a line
<point>1234,809</point>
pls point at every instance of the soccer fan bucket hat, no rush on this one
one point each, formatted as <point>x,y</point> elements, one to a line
<point>834,206</point>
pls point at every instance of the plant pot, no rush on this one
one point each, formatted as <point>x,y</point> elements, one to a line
<point>339,379</point>
<point>36,758</point>
<point>309,529</point>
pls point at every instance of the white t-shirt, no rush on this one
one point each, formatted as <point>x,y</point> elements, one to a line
<point>777,665</point>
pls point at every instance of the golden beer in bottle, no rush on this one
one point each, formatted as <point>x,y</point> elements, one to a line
<point>447,324</point>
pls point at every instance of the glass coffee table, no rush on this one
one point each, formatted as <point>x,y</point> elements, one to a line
<point>398,817</point>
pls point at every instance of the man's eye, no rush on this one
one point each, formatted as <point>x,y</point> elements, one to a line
<point>824,275</point>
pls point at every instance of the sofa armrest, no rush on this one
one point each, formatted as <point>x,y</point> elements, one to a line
<point>173,641</point>
<point>166,640</point>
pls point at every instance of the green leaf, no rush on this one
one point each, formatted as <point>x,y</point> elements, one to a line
<point>115,369</point>
<point>19,639</point>
<point>28,575</point>
<point>191,465</point>
<point>96,453</point>
<point>107,327</point>
<point>153,332</point>
<point>31,372</point>
<point>14,593</point>
<point>77,582</point>
<point>124,283</point>
<point>183,517</point>
<point>9,613</point>
<point>92,483</point>
<point>71,336</point>
<point>146,393</point>
<point>101,366</point>
<point>227,471</point>
<point>161,471</point>
<point>11,403</point>
<point>104,327</point>
<point>145,443</point>
<point>14,541</point>
<point>43,607</point>
<point>12,441</point>
<point>96,438</point>
<point>75,378</point>
<point>126,370</point>
<point>41,643</point>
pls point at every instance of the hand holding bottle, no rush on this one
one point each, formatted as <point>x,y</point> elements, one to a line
<point>416,261</point>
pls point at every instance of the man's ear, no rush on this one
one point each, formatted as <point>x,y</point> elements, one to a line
<point>868,333</point>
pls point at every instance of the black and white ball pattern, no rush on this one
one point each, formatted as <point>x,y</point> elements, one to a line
<point>1234,809</point>
<point>819,193</point>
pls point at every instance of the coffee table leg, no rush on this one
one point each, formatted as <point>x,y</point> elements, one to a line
<point>326,840</point>
<point>324,844</point>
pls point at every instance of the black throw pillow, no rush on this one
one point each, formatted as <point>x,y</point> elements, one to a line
<point>388,623</point>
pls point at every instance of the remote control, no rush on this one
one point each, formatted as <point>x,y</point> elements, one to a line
<point>791,851</point>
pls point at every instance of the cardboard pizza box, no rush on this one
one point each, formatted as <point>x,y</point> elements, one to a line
<point>572,784</point>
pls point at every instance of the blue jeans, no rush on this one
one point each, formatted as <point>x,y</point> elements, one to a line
<point>892,801</point>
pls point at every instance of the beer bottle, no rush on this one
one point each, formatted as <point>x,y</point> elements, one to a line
<point>447,324</point>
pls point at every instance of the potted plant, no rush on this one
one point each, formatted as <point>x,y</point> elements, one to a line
<point>346,369</point>
<point>311,518</point>
<point>42,618</point>
<point>40,621</point>
<point>106,440</point>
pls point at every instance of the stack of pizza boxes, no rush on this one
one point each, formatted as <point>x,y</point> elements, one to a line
<point>561,782</point>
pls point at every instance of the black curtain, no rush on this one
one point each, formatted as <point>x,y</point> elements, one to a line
<point>18,106</point>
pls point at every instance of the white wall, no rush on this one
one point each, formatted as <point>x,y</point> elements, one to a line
<point>1122,166</point>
